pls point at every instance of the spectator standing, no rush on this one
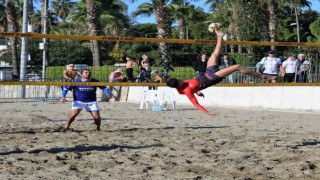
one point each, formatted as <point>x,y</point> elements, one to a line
<point>227,61</point>
<point>129,68</point>
<point>200,65</point>
<point>271,65</point>
<point>70,73</point>
<point>289,68</point>
<point>157,77</point>
<point>303,68</point>
<point>145,74</point>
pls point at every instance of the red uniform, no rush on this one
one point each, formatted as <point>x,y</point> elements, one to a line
<point>191,86</point>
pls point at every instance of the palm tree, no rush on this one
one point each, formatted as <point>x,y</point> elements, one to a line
<point>62,8</point>
<point>272,6</point>
<point>183,12</point>
<point>163,20</point>
<point>97,17</point>
<point>78,16</point>
<point>228,12</point>
<point>3,17</point>
<point>12,27</point>
<point>113,17</point>
<point>94,29</point>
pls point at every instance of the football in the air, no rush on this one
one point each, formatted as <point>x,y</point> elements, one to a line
<point>212,26</point>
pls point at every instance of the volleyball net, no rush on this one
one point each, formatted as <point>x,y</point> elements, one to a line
<point>48,56</point>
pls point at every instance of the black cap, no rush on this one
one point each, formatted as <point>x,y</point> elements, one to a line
<point>271,52</point>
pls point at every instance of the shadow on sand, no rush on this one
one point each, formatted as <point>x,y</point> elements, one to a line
<point>80,148</point>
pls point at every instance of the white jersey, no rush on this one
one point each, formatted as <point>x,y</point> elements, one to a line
<point>290,66</point>
<point>271,65</point>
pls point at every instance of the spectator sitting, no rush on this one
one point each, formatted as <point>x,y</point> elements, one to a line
<point>157,77</point>
<point>115,76</point>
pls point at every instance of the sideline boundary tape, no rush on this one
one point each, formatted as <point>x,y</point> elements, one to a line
<point>61,83</point>
<point>133,39</point>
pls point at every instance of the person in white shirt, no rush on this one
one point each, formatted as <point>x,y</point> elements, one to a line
<point>288,69</point>
<point>271,65</point>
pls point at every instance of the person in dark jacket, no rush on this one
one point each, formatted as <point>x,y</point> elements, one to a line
<point>200,65</point>
<point>227,61</point>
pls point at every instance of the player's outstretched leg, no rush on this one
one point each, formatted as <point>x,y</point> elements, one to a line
<point>231,69</point>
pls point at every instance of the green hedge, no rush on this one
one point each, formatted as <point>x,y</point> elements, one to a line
<point>55,73</point>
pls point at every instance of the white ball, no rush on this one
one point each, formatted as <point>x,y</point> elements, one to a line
<point>212,26</point>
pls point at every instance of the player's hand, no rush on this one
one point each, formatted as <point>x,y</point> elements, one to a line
<point>62,100</point>
<point>200,94</point>
<point>213,113</point>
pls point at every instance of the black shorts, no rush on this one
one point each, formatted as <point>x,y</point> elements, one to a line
<point>289,77</point>
<point>209,78</point>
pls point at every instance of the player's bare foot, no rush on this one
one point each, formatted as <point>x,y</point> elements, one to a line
<point>213,113</point>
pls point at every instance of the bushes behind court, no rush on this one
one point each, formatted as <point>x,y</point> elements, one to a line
<point>55,73</point>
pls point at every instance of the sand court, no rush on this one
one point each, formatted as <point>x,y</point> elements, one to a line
<point>145,144</point>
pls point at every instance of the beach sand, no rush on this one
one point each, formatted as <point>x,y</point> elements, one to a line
<point>144,144</point>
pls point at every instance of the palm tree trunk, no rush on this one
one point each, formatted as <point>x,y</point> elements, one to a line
<point>235,18</point>
<point>182,29</point>
<point>164,28</point>
<point>13,27</point>
<point>273,18</point>
<point>94,30</point>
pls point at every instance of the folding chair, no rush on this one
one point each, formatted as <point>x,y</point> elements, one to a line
<point>169,97</point>
<point>149,96</point>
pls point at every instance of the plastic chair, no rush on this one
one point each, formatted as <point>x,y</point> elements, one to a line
<point>149,96</point>
<point>169,97</point>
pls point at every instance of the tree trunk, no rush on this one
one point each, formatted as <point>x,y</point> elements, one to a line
<point>94,30</point>
<point>13,27</point>
<point>164,28</point>
<point>273,18</point>
<point>235,28</point>
<point>182,29</point>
